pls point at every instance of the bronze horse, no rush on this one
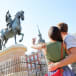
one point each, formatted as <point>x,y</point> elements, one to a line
<point>13,28</point>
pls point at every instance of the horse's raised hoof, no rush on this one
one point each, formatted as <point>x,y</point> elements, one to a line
<point>20,40</point>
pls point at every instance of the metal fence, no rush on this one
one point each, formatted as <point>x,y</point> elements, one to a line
<point>17,66</point>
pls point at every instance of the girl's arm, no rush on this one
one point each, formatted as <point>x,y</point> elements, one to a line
<point>41,46</point>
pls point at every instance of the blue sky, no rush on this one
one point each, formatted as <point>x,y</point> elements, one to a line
<point>42,12</point>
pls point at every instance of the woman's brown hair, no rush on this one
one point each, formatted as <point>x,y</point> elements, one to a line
<point>55,33</point>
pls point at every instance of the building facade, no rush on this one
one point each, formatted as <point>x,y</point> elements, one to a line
<point>36,63</point>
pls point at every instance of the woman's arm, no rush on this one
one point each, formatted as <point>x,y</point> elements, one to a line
<point>54,66</point>
<point>41,47</point>
<point>38,46</point>
<point>71,58</point>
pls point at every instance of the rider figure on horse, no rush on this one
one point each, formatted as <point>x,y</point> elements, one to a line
<point>8,20</point>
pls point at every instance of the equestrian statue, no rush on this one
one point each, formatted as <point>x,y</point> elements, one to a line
<point>13,28</point>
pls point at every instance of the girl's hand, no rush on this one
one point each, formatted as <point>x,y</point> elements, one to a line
<point>33,41</point>
<point>52,67</point>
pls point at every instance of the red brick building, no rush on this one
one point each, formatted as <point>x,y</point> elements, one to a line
<point>35,60</point>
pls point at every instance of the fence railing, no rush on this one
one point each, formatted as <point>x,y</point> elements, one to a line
<point>17,66</point>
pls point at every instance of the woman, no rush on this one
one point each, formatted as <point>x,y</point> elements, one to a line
<point>52,50</point>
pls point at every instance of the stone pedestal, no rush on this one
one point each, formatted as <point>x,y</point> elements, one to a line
<point>11,60</point>
<point>13,51</point>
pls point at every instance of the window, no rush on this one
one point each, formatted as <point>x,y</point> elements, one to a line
<point>36,62</point>
<point>35,57</point>
<point>29,66</point>
<point>41,54</point>
<point>28,60</point>
<point>32,58</point>
<point>33,65</point>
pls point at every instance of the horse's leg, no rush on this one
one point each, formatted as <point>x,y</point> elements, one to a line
<point>0,44</point>
<point>15,39</point>
<point>22,37</point>
<point>5,43</point>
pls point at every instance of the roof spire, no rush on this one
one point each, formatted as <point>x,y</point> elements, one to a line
<point>40,36</point>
